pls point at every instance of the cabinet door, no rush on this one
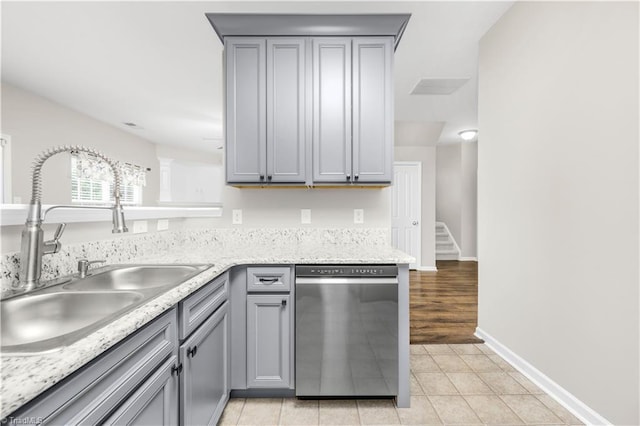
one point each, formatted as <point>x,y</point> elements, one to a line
<point>154,403</point>
<point>372,110</point>
<point>268,341</point>
<point>245,107</point>
<point>95,390</point>
<point>331,110</point>
<point>286,110</point>
<point>205,379</point>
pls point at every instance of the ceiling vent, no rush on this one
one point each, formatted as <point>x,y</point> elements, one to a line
<point>438,86</point>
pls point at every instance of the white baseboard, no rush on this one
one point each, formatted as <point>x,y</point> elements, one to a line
<point>557,392</point>
<point>468,259</point>
<point>427,269</point>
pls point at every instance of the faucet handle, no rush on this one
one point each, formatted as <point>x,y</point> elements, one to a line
<point>59,231</point>
<point>83,266</point>
<point>54,245</point>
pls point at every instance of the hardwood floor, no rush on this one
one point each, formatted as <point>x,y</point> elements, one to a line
<point>444,304</point>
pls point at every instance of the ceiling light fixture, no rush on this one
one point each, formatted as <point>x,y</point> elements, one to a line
<point>468,134</point>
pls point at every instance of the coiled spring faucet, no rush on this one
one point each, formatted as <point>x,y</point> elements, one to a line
<point>33,245</point>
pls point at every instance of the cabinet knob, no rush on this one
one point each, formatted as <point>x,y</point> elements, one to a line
<point>356,177</point>
<point>414,223</point>
<point>284,302</point>
<point>176,369</point>
<point>348,177</point>
<point>269,178</point>
<point>261,177</point>
<point>192,351</point>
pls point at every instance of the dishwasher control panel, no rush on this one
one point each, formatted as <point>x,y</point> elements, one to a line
<point>346,271</point>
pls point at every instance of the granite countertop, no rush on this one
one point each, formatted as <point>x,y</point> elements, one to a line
<point>26,376</point>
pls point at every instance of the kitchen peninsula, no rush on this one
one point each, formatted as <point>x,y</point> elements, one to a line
<point>25,376</point>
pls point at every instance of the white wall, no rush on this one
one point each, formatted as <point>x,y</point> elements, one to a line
<point>449,188</point>
<point>427,156</point>
<point>558,196</point>
<point>469,199</point>
<point>35,124</point>
<point>456,193</point>
<point>280,208</point>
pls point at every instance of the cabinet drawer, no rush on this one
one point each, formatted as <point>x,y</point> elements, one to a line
<point>91,393</point>
<point>196,308</point>
<point>269,278</point>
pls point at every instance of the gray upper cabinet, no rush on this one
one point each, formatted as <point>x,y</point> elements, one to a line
<point>372,110</point>
<point>332,110</point>
<point>286,86</point>
<point>246,115</point>
<point>322,103</point>
<point>352,110</point>
<point>266,110</point>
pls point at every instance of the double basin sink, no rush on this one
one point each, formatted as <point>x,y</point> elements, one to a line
<point>62,314</point>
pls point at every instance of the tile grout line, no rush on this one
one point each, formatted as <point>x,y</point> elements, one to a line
<point>492,389</point>
<point>244,403</point>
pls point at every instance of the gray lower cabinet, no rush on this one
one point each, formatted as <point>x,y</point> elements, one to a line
<point>204,381</point>
<point>149,379</point>
<point>154,403</point>
<point>268,341</point>
<point>105,385</point>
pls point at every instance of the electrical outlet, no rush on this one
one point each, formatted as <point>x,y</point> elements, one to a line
<point>305,215</point>
<point>236,217</point>
<point>163,224</point>
<point>139,226</point>
<point>358,216</point>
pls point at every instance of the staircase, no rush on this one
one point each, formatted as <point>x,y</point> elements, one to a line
<point>446,246</point>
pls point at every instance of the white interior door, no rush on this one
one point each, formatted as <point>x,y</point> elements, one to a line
<point>406,209</point>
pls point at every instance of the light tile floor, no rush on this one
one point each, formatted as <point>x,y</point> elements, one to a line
<point>450,384</point>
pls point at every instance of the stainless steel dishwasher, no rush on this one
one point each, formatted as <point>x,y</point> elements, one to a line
<point>346,330</point>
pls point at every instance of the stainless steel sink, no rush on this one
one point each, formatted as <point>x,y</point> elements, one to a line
<point>62,314</point>
<point>40,322</point>
<point>136,277</point>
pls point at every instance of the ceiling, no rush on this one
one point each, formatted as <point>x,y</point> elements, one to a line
<point>159,64</point>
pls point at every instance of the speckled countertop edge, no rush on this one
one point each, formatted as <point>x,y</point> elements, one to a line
<point>25,377</point>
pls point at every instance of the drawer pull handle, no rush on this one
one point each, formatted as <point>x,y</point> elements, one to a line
<point>284,302</point>
<point>192,351</point>
<point>176,369</point>
<point>268,280</point>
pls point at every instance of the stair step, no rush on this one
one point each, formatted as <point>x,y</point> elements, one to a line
<point>447,256</point>
<point>445,245</point>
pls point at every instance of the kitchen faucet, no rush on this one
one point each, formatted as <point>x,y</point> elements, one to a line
<point>33,247</point>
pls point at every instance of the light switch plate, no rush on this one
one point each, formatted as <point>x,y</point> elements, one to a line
<point>163,224</point>
<point>358,216</point>
<point>139,226</point>
<point>236,216</point>
<point>305,215</point>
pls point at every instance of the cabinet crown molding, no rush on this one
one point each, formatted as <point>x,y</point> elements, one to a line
<point>309,25</point>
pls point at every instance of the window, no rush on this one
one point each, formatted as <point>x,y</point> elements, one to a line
<point>92,183</point>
